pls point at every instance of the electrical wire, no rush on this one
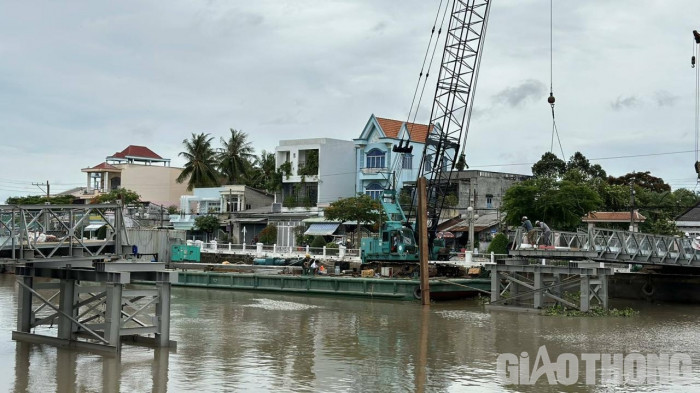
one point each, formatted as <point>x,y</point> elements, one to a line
<point>397,164</point>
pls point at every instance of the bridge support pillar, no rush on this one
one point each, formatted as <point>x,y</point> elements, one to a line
<point>92,309</point>
<point>539,286</point>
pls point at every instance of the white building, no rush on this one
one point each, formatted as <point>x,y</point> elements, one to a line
<point>317,171</point>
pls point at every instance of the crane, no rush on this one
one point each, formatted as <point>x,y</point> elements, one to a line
<point>449,124</point>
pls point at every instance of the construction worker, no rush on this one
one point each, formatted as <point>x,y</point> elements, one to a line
<point>546,232</point>
<point>306,265</point>
<point>527,226</point>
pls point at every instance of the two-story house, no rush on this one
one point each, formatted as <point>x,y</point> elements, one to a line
<point>135,168</point>
<point>378,166</point>
<point>316,171</point>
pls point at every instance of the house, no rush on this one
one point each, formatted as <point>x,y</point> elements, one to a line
<point>689,221</point>
<point>482,190</point>
<point>378,167</point>
<point>615,217</point>
<point>316,171</point>
<point>231,204</point>
<point>135,168</point>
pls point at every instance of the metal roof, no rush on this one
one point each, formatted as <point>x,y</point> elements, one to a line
<point>322,229</point>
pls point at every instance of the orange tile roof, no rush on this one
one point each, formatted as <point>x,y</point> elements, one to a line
<point>137,151</point>
<point>612,217</point>
<point>391,128</point>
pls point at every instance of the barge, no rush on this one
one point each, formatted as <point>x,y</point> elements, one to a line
<point>287,279</point>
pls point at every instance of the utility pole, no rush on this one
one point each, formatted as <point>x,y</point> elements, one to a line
<point>48,189</point>
<point>632,204</point>
<point>230,224</point>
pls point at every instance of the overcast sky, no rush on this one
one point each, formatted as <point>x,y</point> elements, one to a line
<point>80,80</point>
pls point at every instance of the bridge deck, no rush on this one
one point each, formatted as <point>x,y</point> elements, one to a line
<point>610,245</point>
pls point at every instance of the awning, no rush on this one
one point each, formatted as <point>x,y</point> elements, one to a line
<point>322,229</point>
<point>93,227</point>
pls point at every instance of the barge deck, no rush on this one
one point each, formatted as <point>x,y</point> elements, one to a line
<point>386,288</point>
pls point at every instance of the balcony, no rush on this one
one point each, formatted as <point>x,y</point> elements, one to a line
<point>372,171</point>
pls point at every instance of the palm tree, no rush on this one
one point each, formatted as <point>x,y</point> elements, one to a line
<point>235,156</point>
<point>264,174</point>
<point>200,167</point>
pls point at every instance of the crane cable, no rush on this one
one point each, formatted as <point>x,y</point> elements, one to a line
<point>551,99</point>
<point>696,44</point>
<point>398,164</point>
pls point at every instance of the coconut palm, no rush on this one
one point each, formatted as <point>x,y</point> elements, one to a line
<point>200,168</point>
<point>264,175</point>
<point>235,156</point>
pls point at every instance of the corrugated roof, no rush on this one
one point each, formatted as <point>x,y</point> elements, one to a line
<point>391,128</point>
<point>322,229</point>
<point>612,217</point>
<point>137,151</point>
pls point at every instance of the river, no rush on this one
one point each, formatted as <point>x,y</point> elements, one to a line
<point>268,342</point>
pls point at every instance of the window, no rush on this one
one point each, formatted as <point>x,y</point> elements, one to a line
<point>489,201</point>
<point>375,159</point>
<point>407,161</point>
<point>428,162</point>
<point>374,190</point>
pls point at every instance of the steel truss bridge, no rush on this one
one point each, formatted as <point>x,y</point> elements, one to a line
<point>30,232</point>
<point>612,246</point>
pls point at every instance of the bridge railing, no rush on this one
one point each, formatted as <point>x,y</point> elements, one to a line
<point>557,239</point>
<point>617,245</point>
<point>277,251</point>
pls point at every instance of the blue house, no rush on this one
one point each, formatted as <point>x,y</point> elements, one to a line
<point>378,167</point>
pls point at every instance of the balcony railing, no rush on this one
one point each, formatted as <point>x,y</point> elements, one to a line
<point>372,171</point>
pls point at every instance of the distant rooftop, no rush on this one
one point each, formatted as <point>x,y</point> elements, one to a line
<point>612,217</point>
<point>134,153</point>
<point>391,128</point>
<point>311,141</point>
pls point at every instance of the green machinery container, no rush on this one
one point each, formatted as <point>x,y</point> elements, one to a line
<point>182,252</point>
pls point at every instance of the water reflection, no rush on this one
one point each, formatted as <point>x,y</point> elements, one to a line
<point>245,341</point>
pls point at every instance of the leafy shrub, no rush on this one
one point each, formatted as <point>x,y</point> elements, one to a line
<point>268,235</point>
<point>499,244</point>
<point>318,242</point>
<point>332,248</point>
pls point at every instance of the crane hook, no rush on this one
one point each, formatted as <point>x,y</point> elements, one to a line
<point>551,98</point>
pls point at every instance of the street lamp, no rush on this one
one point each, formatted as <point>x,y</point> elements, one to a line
<point>471,218</point>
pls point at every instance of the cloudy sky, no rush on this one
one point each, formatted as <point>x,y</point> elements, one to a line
<point>80,80</point>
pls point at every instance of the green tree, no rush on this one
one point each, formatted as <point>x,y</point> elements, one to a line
<point>263,174</point>
<point>559,203</point>
<point>642,179</point>
<point>200,167</point>
<point>234,157</point>
<point>361,209</point>
<point>268,235</point>
<point>120,194</point>
<point>579,162</point>
<point>549,166</point>
<point>462,163</point>
<point>499,244</point>
<point>40,200</point>
<point>207,224</point>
